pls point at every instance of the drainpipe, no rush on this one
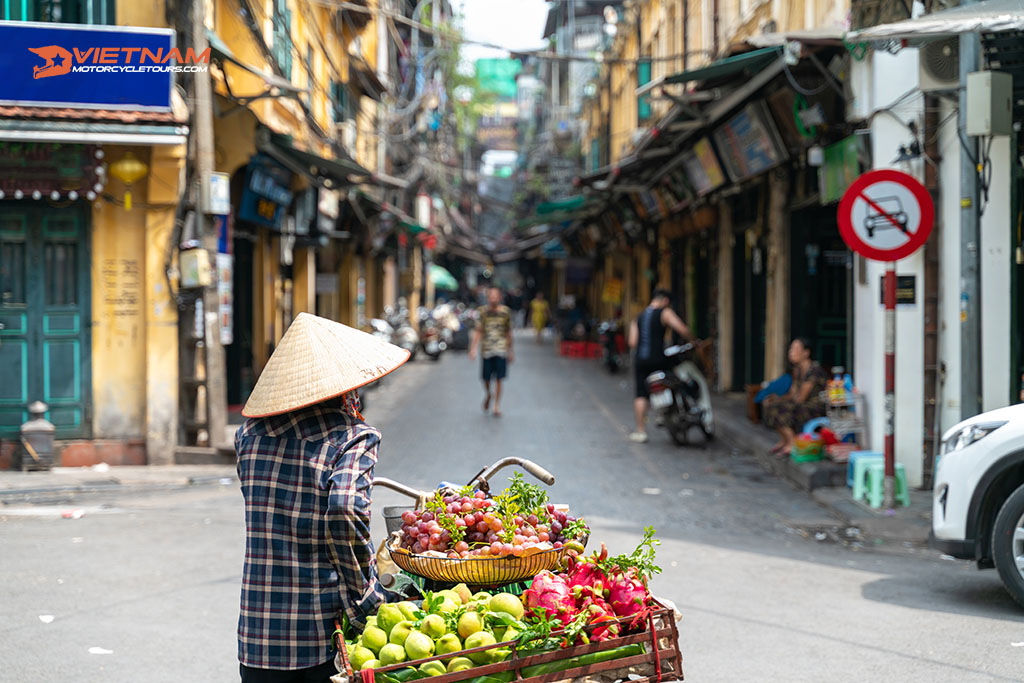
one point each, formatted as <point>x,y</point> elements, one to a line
<point>970,277</point>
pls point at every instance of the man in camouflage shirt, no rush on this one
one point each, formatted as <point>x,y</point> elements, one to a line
<point>493,336</point>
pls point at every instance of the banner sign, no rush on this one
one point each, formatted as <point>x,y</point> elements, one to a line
<point>92,67</point>
<point>749,142</point>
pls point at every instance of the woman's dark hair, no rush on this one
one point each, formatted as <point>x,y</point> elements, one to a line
<point>804,342</point>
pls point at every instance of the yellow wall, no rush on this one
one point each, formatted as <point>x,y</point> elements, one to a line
<point>118,310</point>
<point>161,309</point>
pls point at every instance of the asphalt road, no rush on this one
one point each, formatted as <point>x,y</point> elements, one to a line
<point>152,580</point>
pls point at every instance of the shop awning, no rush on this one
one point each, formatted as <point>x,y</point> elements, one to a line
<point>403,219</point>
<point>92,133</point>
<point>220,51</point>
<point>568,204</point>
<point>990,16</point>
<point>729,66</point>
<point>441,278</point>
<point>341,170</point>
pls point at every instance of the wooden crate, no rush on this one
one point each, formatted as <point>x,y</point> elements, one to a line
<point>661,662</point>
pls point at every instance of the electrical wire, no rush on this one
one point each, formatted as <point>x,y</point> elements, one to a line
<point>800,89</point>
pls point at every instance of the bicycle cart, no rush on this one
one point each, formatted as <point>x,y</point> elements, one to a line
<point>644,649</point>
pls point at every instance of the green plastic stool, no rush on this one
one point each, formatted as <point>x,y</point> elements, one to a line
<point>860,473</point>
<point>876,478</point>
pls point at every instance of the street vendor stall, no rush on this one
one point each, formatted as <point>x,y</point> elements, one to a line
<point>499,588</point>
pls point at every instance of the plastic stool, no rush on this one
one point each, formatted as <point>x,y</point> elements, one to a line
<point>854,457</point>
<point>876,477</point>
<point>860,473</point>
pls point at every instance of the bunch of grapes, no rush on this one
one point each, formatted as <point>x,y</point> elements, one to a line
<point>473,526</point>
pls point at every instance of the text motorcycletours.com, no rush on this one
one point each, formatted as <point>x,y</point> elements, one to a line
<point>163,68</point>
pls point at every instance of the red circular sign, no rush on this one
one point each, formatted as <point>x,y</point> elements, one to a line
<point>886,215</point>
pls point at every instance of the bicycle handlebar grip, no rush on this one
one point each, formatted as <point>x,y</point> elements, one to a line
<point>539,472</point>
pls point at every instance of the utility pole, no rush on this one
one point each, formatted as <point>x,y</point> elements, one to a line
<point>202,128</point>
<point>970,277</point>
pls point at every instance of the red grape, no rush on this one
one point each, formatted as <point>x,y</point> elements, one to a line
<point>496,548</point>
<point>461,546</point>
<point>409,517</point>
<point>543,536</point>
<point>427,516</point>
<point>558,544</point>
<point>417,548</point>
<point>470,520</point>
<point>424,540</point>
<point>459,521</point>
<point>482,527</point>
<point>467,507</point>
<point>422,527</point>
<point>445,535</point>
<point>481,495</point>
<point>532,520</point>
<point>479,516</point>
<point>517,550</point>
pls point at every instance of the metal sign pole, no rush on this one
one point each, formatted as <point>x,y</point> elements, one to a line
<point>890,384</point>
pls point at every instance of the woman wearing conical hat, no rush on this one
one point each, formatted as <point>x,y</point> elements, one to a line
<point>305,462</point>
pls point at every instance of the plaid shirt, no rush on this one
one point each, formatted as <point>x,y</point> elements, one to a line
<point>306,477</point>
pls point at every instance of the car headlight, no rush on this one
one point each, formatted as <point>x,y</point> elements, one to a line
<point>968,435</point>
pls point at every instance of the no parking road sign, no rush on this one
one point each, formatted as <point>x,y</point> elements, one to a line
<point>886,215</point>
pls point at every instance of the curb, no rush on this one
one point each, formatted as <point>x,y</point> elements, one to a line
<point>29,495</point>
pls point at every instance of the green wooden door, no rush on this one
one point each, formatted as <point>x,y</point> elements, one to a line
<point>44,311</point>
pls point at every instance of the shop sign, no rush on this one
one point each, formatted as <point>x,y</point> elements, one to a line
<point>702,167</point>
<point>98,67</point>
<point>886,215</point>
<point>54,170</point>
<point>906,290</point>
<point>225,298</point>
<point>840,169</point>
<point>749,142</point>
<point>266,196</point>
<point>612,293</point>
<point>553,249</point>
<point>220,194</point>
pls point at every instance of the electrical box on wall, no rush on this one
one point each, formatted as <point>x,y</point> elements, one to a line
<point>989,103</point>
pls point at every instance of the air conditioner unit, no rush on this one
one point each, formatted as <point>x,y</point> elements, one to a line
<point>940,65</point>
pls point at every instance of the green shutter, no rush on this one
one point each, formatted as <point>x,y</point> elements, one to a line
<point>643,77</point>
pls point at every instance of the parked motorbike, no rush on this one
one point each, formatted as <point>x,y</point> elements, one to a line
<point>430,335</point>
<point>681,396</point>
<point>403,334</point>
<point>448,324</point>
<point>610,334</point>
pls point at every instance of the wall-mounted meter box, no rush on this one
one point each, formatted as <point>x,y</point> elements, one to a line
<point>989,103</point>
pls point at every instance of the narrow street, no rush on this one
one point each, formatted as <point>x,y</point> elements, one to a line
<point>153,578</point>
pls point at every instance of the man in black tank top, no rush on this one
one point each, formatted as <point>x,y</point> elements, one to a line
<point>647,339</point>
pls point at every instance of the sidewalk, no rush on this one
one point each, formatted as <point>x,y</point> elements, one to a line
<point>28,486</point>
<point>825,482</point>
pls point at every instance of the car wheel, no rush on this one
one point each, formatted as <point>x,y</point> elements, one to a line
<point>1008,544</point>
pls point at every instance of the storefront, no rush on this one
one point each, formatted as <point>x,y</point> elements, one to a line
<point>89,186</point>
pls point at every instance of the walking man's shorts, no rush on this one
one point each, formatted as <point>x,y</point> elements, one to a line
<point>495,367</point>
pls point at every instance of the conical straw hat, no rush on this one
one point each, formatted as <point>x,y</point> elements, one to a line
<point>319,359</point>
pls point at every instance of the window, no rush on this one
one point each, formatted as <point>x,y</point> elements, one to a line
<point>643,77</point>
<point>595,154</point>
<point>341,103</point>
<point>62,11</point>
<point>282,49</point>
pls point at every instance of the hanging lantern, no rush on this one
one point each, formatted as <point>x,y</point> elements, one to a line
<point>128,169</point>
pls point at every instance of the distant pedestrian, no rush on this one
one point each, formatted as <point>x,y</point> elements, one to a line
<point>647,339</point>
<point>802,403</point>
<point>493,337</point>
<point>540,313</point>
<point>305,461</point>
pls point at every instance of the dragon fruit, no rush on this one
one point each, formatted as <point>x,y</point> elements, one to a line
<point>627,594</point>
<point>602,617</point>
<point>586,578</point>
<point>551,593</point>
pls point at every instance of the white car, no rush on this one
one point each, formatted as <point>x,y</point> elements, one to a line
<point>978,508</point>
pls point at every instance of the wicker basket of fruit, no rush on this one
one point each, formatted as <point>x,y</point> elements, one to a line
<point>468,537</point>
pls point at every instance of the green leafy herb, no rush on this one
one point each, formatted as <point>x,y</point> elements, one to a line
<point>640,561</point>
<point>532,499</point>
<point>576,529</point>
<point>447,521</point>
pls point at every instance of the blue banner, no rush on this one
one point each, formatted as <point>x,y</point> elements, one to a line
<point>100,67</point>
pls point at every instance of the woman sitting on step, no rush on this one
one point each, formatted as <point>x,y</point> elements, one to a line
<point>787,414</point>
